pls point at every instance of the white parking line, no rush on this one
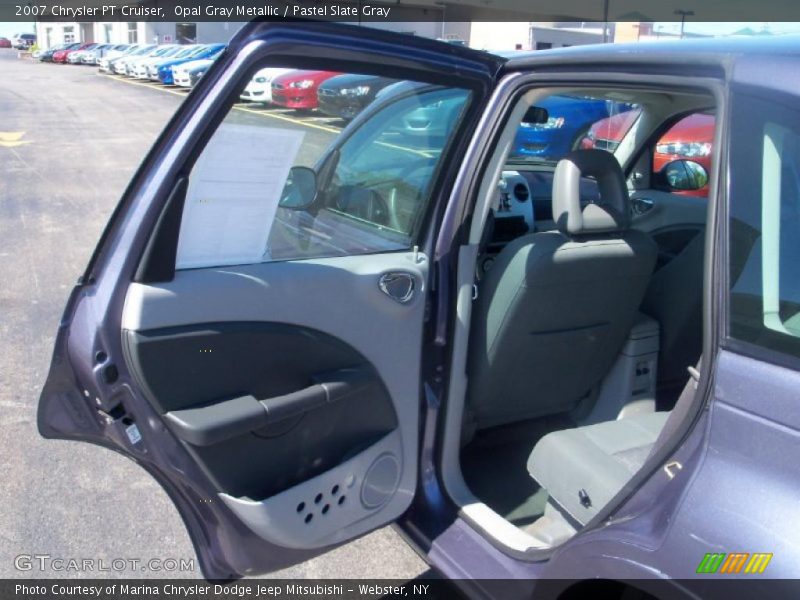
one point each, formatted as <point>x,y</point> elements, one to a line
<point>152,86</point>
<point>275,113</point>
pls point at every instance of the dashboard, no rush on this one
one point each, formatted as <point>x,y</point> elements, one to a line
<point>514,214</point>
<point>525,202</point>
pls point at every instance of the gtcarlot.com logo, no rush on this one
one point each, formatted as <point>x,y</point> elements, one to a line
<point>46,562</point>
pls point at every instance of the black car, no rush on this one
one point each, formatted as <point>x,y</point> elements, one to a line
<point>345,96</point>
<point>47,55</point>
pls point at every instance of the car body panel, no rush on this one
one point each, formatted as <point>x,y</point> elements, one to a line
<point>240,542</point>
<point>569,120</point>
<point>119,63</point>
<point>345,96</point>
<point>128,65</point>
<point>61,56</point>
<point>23,41</point>
<point>259,88</point>
<point>165,68</point>
<point>286,90</point>
<point>725,479</point>
<point>144,69</point>
<point>187,74</point>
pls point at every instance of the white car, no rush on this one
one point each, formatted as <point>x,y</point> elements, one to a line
<point>121,66</point>
<point>75,58</point>
<point>185,52</point>
<point>93,56</point>
<point>138,68</point>
<point>181,74</point>
<point>112,60</point>
<point>260,87</point>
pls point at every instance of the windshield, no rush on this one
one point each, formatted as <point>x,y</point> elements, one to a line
<point>191,51</point>
<point>166,51</point>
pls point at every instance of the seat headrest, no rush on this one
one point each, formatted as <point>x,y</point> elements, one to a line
<point>610,214</point>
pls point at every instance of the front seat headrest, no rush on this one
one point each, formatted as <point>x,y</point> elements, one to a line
<point>610,214</point>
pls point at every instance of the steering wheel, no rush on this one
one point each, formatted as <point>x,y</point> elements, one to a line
<point>416,165</point>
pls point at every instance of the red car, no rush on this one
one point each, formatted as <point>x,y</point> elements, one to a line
<point>61,55</point>
<point>298,89</point>
<point>690,138</point>
<point>5,42</point>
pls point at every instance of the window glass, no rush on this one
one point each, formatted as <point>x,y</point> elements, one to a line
<point>570,122</point>
<point>317,164</point>
<point>682,156</point>
<point>765,225</point>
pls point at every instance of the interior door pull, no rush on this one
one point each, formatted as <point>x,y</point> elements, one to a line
<point>225,419</point>
<point>398,285</point>
<point>640,206</point>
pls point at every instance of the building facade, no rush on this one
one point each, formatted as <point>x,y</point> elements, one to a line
<point>50,34</point>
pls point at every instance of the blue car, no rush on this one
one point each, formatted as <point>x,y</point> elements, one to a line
<point>568,121</point>
<point>163,69</point>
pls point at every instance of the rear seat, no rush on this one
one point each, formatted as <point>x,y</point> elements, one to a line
<point>583,468</point>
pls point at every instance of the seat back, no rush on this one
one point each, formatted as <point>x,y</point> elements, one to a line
<point>556,307</point>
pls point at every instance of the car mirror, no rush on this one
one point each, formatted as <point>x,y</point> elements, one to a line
<point>684,175</point>
<point>300,189</point>
<point>536,115</point>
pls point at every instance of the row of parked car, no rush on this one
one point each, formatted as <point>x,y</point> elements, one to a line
<point>572,121</point>
<point>20,41</point>
<point>157,62</point>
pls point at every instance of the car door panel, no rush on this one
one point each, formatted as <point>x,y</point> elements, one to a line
<point>676,216</point>
<point>233,332</point>
<point>277,403</point>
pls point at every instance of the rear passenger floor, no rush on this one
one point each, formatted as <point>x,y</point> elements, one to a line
<point>494,465</point>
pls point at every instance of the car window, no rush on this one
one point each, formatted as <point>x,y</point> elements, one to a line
<point>277,181</point>
<point>572,122</point>
<point>765,225</point>
<point>682,156</point>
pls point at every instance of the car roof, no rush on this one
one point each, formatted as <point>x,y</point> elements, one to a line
<point>710,50</point>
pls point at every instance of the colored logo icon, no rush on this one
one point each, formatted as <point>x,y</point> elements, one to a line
<point>735,562</point>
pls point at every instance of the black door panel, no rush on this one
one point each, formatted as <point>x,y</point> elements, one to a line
<point>261,406</point>
<point>672,241</point>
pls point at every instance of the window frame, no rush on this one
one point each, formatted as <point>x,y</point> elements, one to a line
<point>759,96</point>
<point>161,242</point>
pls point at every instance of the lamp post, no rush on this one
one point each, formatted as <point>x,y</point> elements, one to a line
<point>684,14</point>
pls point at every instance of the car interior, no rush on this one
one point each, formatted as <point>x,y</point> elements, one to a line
<point>585,320</point>
<point>579,313</point>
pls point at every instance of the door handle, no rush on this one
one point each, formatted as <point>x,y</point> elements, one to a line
<point>640,206</point>
<point>225,419</point>
<point>398,285</point>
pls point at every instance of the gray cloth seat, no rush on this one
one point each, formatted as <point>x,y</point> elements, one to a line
<point>582,469</point>
<point>555,308</point>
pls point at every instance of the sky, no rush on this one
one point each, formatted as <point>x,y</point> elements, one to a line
<point>727,28</point>
<point>9,29</point>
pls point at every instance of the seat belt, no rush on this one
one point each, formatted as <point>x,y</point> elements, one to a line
<point>681,408</point>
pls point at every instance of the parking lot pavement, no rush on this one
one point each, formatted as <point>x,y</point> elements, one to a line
<point>69,142</point>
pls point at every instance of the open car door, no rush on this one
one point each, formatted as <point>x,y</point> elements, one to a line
<point>250,327</point>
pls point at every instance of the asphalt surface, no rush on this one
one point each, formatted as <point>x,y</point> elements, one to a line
<point>69,142</point>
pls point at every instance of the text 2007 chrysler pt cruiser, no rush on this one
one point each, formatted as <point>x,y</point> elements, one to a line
<point>560,369</point>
